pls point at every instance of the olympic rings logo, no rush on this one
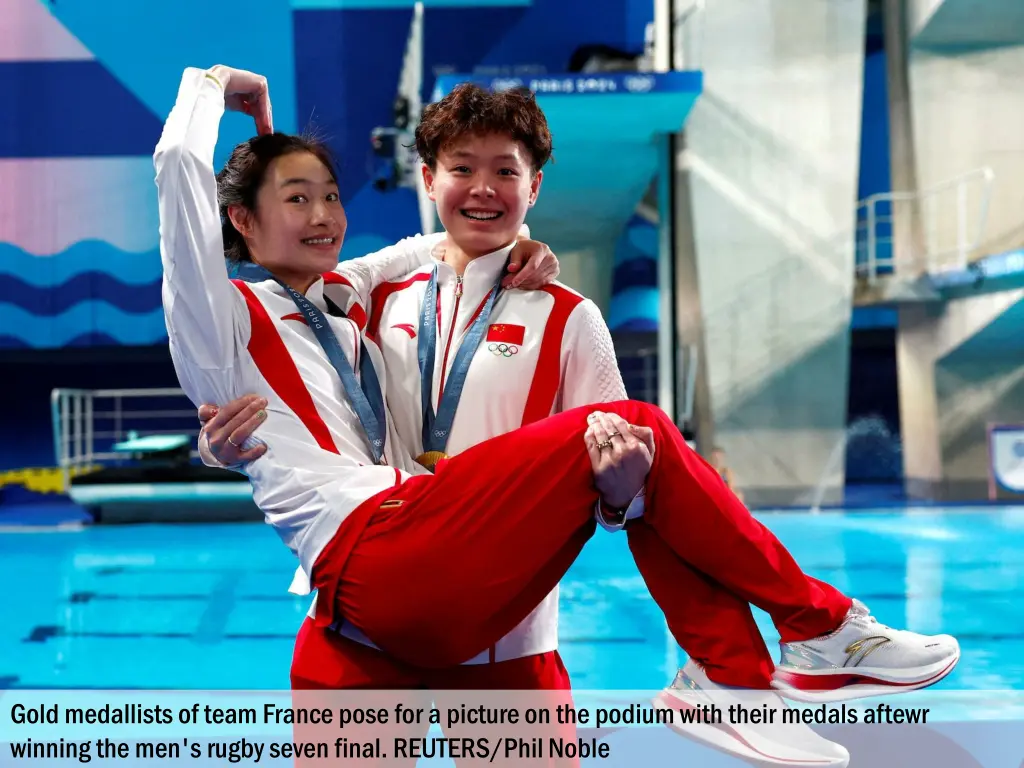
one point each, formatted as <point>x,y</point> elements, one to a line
<point>503,350</point>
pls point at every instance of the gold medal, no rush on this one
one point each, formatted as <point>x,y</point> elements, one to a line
<point>430,459</point>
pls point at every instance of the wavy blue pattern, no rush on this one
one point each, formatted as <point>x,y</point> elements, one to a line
<point>639,272</point>
<point>634,302</point>
<point>642,238</point>
<point>96,286</point>
<point>87,317</point>
<point>81,258</point>
<point>638,325</point>
<point>84,340</point>
<point>633,306</point>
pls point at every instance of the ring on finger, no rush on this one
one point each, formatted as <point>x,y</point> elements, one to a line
<point>233,442</point>
<point>604,444</point>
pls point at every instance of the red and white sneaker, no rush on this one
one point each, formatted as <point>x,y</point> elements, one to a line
<point>863,658</point>
<point>771,741</point>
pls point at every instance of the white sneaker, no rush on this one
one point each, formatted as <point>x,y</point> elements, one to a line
<point>774,742</point>
<point>863,658</point>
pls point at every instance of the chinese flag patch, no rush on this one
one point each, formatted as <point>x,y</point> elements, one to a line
<point>507,334</point>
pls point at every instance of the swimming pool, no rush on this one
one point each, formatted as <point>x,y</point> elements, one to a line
<point>206,606</point>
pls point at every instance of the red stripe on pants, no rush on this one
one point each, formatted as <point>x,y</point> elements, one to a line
<point>473,549</point>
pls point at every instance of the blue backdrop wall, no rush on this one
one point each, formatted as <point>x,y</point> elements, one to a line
<point>79,264</point>
<point>88,86</point>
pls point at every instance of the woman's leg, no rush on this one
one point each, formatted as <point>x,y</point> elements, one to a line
<point>454,561</point>
<point>692,510</point>
<point>324,660</point>
<point>539,681</point>
<point>832,647</point>
<point>715,627</point>
<point>330,671</point>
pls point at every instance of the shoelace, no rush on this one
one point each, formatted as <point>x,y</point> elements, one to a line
<point>869,619</point>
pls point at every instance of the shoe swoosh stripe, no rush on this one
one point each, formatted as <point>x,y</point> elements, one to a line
<point>833,682</point>
<point>729,730</point>
<point>863,648</point>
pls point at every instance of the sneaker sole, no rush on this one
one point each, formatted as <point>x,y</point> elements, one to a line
<point>826,686</point>
<point>723,738</point>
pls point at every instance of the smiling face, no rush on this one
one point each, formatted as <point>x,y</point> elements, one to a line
<point>298,225</point>
<point>483,187</point>
<point>482,155</point>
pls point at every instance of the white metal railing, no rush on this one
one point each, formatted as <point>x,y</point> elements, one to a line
<point>952,213</point>
<point>88,422</point>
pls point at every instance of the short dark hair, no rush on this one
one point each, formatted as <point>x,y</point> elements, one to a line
<point>243,174</point>
<point>472,110</point>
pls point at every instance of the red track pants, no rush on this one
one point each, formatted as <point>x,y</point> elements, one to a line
<point>440,567</point>
<point>326,660</point>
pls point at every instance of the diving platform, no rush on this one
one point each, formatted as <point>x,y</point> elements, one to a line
<point>989,274</point>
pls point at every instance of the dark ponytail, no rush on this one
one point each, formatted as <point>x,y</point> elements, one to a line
<point>239,181</point>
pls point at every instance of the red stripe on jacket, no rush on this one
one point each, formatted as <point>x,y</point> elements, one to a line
<point>275,362</point>
<point>547,378</point>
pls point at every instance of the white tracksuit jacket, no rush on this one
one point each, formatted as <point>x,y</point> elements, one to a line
<point>230,339</point>
<point>544,352</point>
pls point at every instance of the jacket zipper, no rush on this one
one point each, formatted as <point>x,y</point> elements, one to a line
<point>451,333</point>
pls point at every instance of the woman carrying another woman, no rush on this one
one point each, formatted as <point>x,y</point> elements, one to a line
<point>433,569</point>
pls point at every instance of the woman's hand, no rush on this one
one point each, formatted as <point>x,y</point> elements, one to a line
<point>621,455</point>
<point>226,429</point>
<point>532,265</point>
<point>248,93</point>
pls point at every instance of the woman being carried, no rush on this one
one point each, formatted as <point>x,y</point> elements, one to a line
<point>432,568</point>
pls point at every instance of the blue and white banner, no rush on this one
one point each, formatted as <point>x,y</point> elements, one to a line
<point>1006,452</point>
<point>582,83</point>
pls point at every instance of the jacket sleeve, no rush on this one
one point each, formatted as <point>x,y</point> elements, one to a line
<point>207,323</point>
<point>591,376</point>
<point>590,369</point>
<point>364,274</point>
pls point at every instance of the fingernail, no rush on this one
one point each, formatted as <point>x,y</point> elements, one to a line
<point>261,414</point>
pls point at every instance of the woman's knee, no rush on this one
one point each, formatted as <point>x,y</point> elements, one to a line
<point>653,415</point>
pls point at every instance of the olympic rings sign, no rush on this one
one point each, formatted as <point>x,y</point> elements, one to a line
<point>503,350</point>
